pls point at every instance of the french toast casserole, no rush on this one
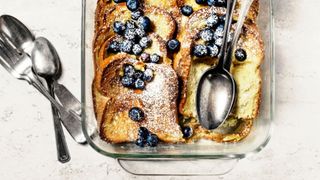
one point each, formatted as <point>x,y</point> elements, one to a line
<point>149,56</point>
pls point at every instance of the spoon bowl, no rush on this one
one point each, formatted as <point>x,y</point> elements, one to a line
<point>216,97</point>
<point>17,33</point>
<point>45,59</point>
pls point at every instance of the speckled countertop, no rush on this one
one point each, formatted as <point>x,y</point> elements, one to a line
<point>26,129</point>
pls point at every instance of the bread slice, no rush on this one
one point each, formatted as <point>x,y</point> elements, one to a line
<point>246,74</point>
<point>158,101</point>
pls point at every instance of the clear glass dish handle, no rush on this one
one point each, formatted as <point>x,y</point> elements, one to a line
<point>178,167</point>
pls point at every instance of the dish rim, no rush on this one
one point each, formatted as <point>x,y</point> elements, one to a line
<point>180,156</point>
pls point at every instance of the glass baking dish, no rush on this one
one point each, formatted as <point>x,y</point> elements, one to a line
<point>181,159</point>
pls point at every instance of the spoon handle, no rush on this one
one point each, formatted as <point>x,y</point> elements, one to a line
<point>246,4</point>
<point>227,25</point>
<point>70,120</point>
<point>62,148</point>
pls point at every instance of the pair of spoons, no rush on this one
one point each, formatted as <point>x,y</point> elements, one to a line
<point>216,93</point>
<point>46,64</point>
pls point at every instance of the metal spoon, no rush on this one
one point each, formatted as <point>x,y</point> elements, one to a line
<point>217,89</point>
<point>46,63</point>
<point>20,36</point>
<point>245,7</point>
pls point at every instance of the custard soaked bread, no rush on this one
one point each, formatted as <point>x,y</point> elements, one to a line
<point>149,56</point>
<point>158,101</point>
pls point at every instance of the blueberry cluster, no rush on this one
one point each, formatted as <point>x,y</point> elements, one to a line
<point>134,32</point>
<point>212,35</point>
<point>146,138</point>
<point>134,78</point>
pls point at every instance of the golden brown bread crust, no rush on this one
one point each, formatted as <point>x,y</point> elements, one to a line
<point>112,102</point>
<point>158,101</point>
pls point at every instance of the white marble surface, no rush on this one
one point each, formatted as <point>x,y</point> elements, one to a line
<point>27,139</point>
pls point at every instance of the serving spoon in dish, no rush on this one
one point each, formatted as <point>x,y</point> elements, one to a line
<point>216,91</point>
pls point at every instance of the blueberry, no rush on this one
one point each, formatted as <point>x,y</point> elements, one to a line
<point>145,23</point>
<point>136,14</point>
<point>140,32</point>
<point>148,75</point>
<point>200,1</point>
<point>173,45</point>
<point>213,50</point>
<point>219,3</point>
<point>143,133</point>
<point>207,35</point>
<point>136,114</point>
<point>154,58</point>
<point>130,34</point>
<point>212,20</point>
<point>118,27</point>
<point>222,19</point>
<point>219,42</point>
<point>145,42</point>
<point>130,24</point>
<point>241,54</point>
<point>145,57</point>
<point>118,1</point>
<point>114,47</point>
<point>219,32</point>
<point>128,70</point>
<point>152,140</point>
<point>126,46</point>
<point>211,2</point>
<point>187,132</point>
<point>136,49</point>
<point>133,5</point>
<point>186,10</point>
<point>140,142</point>
<point>127,81</point>
<point>138,74</point>
<point>139,84</point>
<point>200,50</point>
